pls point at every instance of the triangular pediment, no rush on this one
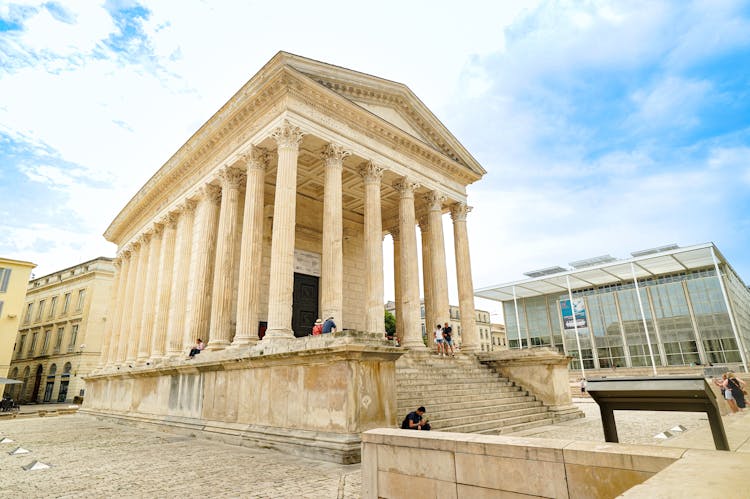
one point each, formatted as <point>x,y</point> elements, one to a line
<point>391,101</point>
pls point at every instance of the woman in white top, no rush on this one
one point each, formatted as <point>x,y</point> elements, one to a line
<point>439,339</point>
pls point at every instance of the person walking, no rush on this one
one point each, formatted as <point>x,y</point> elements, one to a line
<point>737,387</point>
<point>448,340</point>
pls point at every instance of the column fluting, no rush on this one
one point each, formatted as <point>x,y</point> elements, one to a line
<point>410,302</point>
<point>396,235</point>
<point>251,250</point>
<point>108,327</point>
<point>202,268</point>
<point>181,273</point>
<point>127,311</point>
<point>281,285</point>
<point>164,287</point>
<point>470,338</point>
<point>438,269</point>
<point>374,318</point>
<point>149,299</point>
<point>119,306</point>
<point>227,253</point>
<point>428,296</point>
<point>138,297</point>
<point>332,260</point>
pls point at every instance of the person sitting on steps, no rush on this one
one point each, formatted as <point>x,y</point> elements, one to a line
<point>198,348</point>
<point>414,421</point>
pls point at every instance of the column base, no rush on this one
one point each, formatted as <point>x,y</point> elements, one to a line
<point>245,341</point>
<point>278,334</point>
<point>417,345</point>
<point>217,345</point>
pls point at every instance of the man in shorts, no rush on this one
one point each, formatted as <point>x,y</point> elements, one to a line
<point>448,340</point>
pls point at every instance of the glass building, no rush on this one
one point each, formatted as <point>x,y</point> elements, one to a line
<point>688,304</point>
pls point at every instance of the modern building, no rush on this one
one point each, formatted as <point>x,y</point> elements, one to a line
<point>60,336</point>
<point>687,303</point>
<point>483,327</point>
<point>14,277</point>
<point>499,337</point>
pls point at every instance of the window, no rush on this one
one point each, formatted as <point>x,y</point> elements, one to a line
<point>20,344</point>
<point>52,305</point>
<point>73,337</point>
<point>32,345</point>
<point>27,317</point>
<point>40,310</point>
<point>66,304</point>
<point>4,278</point>
<point>81,298</point>
<point>45,345</point>
<point>59,339</point>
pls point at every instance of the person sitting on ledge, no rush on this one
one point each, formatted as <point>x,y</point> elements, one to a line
<point>329,326</point>
<point>413,421</point>
<point>199,346</point>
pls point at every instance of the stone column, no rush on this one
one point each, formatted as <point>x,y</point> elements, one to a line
<point>202,266</point>
<point>281,285</point>
<point>374,318</point>
<point>251,250</point>
<point>108,327</point>
<point>409,272</point>
<point>138,297</point>
<point>164,287</point>
<point>119,306</point>
<point>182,249</point>
<point>127,309</point>
<point>465,283</point>
<point>396,235</point>
<point>429,306</point>
<point>226,262</point>
<point>438,270</point>
<point>332,260</point>
<point>149,289</point>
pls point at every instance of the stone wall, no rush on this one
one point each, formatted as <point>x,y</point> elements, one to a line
<point>312,396</point>
<point>403,463</point>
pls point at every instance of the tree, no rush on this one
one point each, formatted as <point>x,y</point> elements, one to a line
<point>390,323</point>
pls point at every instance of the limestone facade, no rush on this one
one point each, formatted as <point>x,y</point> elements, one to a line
<point>273,214</point>
<point>498,336</point>
<point>14,278</point>
<point>61,332</point>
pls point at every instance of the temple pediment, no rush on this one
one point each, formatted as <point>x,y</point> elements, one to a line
<point>389,100</point>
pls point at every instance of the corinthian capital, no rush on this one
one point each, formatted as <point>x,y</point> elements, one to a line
<point>169,220</point>
<point>371,172</point>
<point>406,187</point>
<point>231,178</point>
<point>459,212</point>
<point>257,158</point>
<point>287,136</point>
<point>334,154</point>
<point>210,192</point>
<point>434,201</point>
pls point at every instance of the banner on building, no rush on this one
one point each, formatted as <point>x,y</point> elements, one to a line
<point>578,314</point>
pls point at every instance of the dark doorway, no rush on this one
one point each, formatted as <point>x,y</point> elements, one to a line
<point>304,304</point>
<point>63,394</point>
<point>37,383</point>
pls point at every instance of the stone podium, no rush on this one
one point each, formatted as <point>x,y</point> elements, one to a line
<point>311,397</point>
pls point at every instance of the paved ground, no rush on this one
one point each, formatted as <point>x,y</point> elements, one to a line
<point>92,458</point>
<point>633,427</point>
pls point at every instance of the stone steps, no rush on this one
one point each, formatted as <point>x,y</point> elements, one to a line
<point>463,395</point>
<point>494,426</point>
<point>442,420</point>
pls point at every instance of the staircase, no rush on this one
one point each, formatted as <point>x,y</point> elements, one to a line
<point>462,395</point>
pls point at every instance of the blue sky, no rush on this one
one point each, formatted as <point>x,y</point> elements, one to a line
<point>605,127</point>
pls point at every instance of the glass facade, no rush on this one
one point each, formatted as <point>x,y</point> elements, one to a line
<point>684,317</point>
